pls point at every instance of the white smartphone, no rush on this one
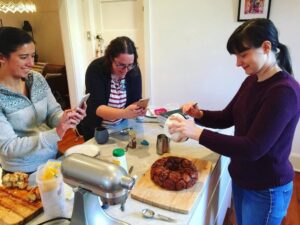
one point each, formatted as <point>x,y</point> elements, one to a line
<point>143,103</point>
<point>84,99</point>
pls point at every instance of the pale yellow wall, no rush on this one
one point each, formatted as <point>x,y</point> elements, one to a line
<point>46,28</point>
<point>15,19</point>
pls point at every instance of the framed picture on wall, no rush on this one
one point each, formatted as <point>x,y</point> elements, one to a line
<point>249,9</point>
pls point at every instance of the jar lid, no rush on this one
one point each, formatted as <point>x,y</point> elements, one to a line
<point>118,152</point>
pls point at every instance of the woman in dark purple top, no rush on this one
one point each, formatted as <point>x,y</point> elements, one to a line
<point>265,112</point>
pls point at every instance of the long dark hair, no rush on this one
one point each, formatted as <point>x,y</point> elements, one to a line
<point>119,46</point>
<point>11,38</point>
<point>252,34</point>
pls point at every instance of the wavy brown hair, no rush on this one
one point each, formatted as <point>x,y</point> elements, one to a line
<point>117,46</point>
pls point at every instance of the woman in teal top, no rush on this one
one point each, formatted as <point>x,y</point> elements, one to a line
<point>31,120</point>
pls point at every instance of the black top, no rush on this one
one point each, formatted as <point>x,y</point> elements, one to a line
<point>98,84</point>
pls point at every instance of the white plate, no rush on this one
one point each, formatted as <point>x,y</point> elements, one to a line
<point>85,149</point>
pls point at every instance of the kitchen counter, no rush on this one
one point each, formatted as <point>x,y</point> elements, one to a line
<point>210,207</point>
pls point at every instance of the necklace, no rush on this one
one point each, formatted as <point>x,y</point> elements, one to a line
<point>122,85</point>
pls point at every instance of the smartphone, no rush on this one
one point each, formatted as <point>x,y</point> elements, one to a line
<point>84,99</point>
<point>143,103</point>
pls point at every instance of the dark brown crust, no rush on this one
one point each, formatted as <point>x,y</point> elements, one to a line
<point>174,173</point>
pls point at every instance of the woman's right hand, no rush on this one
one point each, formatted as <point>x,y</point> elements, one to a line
<point>191,109</point>
<point>186,128</point>
<point>68,120</point>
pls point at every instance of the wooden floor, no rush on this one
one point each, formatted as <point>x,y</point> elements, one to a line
<point>293,215</point>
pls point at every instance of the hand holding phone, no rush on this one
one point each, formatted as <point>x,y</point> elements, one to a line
<point>143,103</point>
<point>84,99</point>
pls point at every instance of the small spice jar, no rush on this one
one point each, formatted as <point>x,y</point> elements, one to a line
<point>119,158</point>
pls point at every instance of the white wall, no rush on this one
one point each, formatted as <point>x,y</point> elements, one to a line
<point>189,60</point>
<point>286,16</point>
<point>189,57</point>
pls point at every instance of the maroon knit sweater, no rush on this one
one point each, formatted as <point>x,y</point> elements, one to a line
<point>265,115</point>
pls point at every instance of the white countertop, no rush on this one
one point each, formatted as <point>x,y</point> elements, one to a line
<point>142,158</point>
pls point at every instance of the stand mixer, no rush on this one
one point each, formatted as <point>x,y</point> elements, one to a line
<point>92,178</point>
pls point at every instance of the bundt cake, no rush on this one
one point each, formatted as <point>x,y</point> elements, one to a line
<point>174,173</point>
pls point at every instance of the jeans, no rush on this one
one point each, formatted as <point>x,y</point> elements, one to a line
<point>263,207</point>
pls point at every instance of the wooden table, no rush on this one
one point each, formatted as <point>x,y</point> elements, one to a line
<point>215,195</point>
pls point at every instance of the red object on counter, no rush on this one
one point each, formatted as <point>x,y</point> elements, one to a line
<point>159,111</point>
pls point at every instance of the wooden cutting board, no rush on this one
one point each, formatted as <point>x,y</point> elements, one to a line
<point>15,208</point>
<point>178,201</point>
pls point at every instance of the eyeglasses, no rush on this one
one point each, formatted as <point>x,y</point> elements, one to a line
<point>124,66</point>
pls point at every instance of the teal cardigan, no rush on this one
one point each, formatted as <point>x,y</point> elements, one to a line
<point>28,137</point>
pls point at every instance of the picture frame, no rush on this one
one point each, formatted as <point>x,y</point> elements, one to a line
<point>250,9</point>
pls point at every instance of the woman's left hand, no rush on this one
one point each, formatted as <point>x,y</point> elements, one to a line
<point>187,128</point>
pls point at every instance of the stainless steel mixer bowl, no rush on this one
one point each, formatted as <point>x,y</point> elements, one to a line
<point>111,182</point>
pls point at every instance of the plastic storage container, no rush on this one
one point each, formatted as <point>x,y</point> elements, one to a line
<point>50,182</point>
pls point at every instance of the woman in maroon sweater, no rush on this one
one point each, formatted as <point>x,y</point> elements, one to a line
<point>265,112</point>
